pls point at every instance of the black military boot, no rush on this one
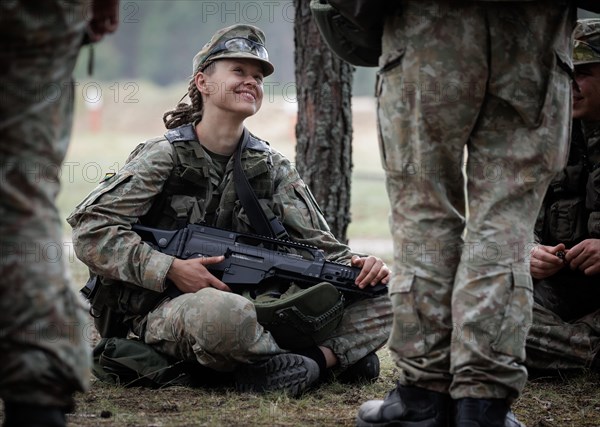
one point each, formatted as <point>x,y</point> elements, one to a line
<point>406,407</point>
<point>471,412</point>
<point>364,370</point>
<point>30,415</point>
<point>287,372</point>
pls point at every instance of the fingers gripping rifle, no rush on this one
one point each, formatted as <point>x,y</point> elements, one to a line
<point>248,262</point>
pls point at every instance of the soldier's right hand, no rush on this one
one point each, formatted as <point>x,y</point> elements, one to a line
<point>191,275</point>
<point>545,262</point>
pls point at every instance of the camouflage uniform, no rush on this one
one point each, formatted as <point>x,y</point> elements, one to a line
<point>565,333</point>
<point>43,356</point>
<point>218,329</point>
<point>455,77</point>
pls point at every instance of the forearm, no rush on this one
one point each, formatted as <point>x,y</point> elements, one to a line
<point>115,252</point>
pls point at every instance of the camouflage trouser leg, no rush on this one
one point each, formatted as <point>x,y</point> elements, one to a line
<point>461,291</point>
<point>43,356</point>
<point>216,328</point>
<point>553,343</point>
<point>565,333</point>
<point>364,328</point>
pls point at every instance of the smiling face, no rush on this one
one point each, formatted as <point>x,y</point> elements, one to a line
<point>234,86</point>
<point>586,97</point>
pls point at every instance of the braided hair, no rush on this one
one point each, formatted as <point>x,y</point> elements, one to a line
<point>188,113</point>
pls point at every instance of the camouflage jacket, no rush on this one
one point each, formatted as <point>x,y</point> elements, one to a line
<point>102,234</point>
<point>571,209</point>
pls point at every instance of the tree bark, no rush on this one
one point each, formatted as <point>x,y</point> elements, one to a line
<point>324,126</point>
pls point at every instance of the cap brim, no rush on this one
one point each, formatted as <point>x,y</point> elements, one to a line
<point>268,68</point>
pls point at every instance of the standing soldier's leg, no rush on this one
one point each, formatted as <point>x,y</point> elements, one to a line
<point>520,141</point>
<point>429,100</point>
<point>44,358</point>
<point>422,129</point>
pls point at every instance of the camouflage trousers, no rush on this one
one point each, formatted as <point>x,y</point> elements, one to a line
<point>565,333</point>
<point>44,358</point>
<point>219,330</point>
<point>474,118</point>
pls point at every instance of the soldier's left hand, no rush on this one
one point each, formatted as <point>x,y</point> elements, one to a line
<point>373,270</point>
<point>585,256</point>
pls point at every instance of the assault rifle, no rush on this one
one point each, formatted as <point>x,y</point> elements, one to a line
<point>249,261</point>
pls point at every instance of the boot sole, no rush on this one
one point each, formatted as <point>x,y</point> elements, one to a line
<point>291,373</point>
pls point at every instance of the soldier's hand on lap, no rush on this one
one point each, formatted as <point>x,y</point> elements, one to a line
<point>191,275</point>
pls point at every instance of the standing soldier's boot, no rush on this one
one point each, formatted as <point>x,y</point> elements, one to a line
<point>472,412</point>
<point>406,406</point>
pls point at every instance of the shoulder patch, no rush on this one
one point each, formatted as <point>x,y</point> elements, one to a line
<point>181,133</point>
<point>108,176</point>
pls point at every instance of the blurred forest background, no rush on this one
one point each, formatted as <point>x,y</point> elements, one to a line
<point>157,39</point>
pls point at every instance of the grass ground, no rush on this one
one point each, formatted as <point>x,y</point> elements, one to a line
<point>558,402</point>
<point>546,402</point>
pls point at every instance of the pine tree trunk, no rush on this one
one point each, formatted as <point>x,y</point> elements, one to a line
<point>324,126</point>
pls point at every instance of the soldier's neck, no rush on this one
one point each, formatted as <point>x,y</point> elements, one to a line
<point>219,136</point>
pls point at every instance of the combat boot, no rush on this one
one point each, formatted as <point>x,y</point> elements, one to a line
<point>471,412</point>
<point>365,370</point>
<point>406,407</point>
<point>286,372</point>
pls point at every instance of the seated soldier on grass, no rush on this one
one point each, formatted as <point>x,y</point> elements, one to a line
<point>565,266</point>
<point>187,177</point>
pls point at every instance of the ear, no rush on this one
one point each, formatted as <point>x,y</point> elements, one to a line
<point>200,81</point>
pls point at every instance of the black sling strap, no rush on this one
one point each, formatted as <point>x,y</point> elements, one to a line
<point>264,226</point>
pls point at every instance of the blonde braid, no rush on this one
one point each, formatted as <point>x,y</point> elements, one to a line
<point>185,113</point>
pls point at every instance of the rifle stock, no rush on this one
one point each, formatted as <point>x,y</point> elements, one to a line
<point>248,261</point>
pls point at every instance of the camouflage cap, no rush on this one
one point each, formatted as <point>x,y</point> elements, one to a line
<point>216,49</point>
<point>587,42</point>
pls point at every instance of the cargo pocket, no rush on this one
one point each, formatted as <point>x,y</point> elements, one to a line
<point>389,91</point>
<point>567,219</point>
<point>517,316</point>
<point>187,209</point>
<point>407,338</point>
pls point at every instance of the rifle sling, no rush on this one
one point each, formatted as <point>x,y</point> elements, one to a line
<point>263,225</point>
